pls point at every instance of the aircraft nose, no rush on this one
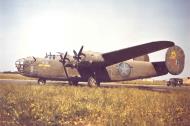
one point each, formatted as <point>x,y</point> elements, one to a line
<point>20,64</point>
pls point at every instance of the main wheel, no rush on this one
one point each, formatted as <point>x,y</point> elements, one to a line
<point>41,81</point>
<point>73,82</point>
<point>168,84</point>
<point>92,82</point>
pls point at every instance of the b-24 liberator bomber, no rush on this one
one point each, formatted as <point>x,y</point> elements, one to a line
<point>92,67</point>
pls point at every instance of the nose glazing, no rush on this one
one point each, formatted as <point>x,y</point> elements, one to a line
<point>20,64</point>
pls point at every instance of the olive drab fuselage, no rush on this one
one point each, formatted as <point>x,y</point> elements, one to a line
<point>124,64</point>
<point>52,69</point>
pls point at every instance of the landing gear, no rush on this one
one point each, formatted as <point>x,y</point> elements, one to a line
<point>92,82</point>
<point>41,81</point>
<point>73,82</point>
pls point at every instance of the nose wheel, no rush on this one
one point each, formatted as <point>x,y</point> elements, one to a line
<point>41,81</point>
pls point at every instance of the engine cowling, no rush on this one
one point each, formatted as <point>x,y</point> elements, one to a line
<point>175,60</point>
<point>142,58</point>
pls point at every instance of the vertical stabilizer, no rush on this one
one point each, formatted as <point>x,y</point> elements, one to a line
<point>175,60</point>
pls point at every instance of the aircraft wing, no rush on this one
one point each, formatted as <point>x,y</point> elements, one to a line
<point>117,56</point>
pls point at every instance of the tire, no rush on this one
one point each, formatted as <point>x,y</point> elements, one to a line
<point>41,81</point>
<point>180,84</point>
<point>73,82</point>
<point>173,84</point>
<point>168,84</point>
<point>92,82</point>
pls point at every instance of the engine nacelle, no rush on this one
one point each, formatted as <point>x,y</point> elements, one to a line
<point>175,60</point>
<point>142,58</point>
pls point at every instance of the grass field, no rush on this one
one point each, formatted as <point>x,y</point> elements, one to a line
<point>13,76</point>
<point>145,82</point>
<point>68,105</point>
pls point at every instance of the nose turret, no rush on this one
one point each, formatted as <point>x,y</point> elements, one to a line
<point>24,62</point>
<point>20,65</point>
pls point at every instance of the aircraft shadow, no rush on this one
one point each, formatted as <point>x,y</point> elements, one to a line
<point>161,89</point>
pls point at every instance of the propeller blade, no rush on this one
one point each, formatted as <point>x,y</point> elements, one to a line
<point>80,52</point>
<point>65,56</point>
<point>61,55</point>
<point>75,53</point>
<point>63,59</point>
<point>77,56</point>
<point>34,58</point>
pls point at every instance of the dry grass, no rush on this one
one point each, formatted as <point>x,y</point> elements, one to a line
<point>186,82</point>
<point>145,82</point>
<point>13,76</point>
<point>69,105</point>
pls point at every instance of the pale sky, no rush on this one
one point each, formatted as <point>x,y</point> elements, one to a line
<point>34,27</point>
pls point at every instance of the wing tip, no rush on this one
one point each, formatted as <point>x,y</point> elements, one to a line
<point>167,42</point>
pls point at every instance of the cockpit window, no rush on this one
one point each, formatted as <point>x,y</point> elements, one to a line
<point>30,60</point>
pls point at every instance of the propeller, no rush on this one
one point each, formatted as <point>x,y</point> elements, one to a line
<point>63,59</point>
<point>77,56</point>
<point>34,58</point>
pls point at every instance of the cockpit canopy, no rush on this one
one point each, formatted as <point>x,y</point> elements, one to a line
<point>29,60</point>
